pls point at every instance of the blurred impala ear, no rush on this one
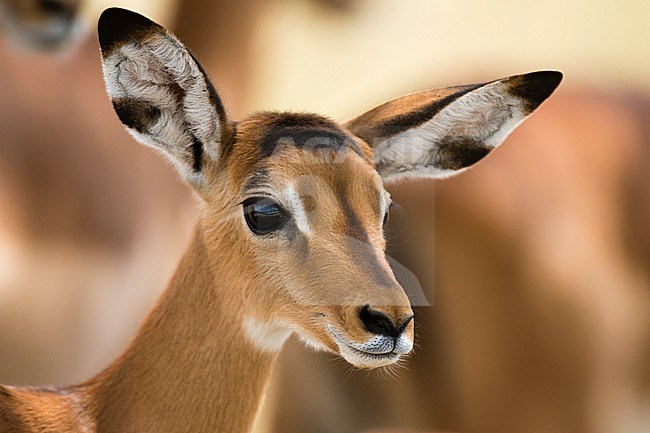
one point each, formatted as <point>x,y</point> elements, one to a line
<point>160,92</point>
<point>438,133</point>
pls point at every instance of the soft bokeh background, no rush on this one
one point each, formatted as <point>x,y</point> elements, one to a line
<point>540,256</point>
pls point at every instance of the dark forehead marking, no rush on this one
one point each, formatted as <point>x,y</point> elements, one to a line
<point>367,259</point>
<point>306,131</point>
<point>353,227</point>
<point>359,239</point>
<point>352,224</point>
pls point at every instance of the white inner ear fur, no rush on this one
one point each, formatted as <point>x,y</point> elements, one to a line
<point>153,71</point>
<point>487,114</point>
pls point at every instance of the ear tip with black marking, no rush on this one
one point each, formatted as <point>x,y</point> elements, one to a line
<point>535,87</point>
<point>117,25</point>
<point>547,79</point>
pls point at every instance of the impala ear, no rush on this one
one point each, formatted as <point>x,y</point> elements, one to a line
<point>438,133</point>
<point>160,92</point>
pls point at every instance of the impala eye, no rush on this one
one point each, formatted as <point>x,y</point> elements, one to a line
<point>263,215</point>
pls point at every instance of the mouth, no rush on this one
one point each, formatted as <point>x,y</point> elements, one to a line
<point>362,358</point>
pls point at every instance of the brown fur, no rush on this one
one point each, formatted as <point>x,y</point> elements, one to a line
<point>458,152</point>
<point>136,114</point>
<point>405,112</point>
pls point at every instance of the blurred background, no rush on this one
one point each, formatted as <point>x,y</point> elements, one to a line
<point>539,256</point>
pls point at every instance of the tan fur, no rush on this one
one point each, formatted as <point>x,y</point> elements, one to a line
<point>337,284</point>
<point>403,105</point>
<point>191,355</point>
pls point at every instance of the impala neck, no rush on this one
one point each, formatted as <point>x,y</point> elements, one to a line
<point>190,368</point>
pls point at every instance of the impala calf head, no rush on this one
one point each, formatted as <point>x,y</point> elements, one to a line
<point>296,203</point>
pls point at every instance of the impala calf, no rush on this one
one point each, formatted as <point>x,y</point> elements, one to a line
<point>289,237</point>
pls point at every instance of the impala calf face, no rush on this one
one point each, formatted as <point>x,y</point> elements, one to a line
<point>312,212</point>
<point>296,202</point>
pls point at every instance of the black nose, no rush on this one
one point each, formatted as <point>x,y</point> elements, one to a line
<point>379,323</point>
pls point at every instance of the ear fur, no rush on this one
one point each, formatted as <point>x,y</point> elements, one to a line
<point>160,92</point>
<point>442,132</point>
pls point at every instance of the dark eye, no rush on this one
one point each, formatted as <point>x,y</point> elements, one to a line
<point>263,215</point>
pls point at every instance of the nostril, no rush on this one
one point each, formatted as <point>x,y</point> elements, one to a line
<point>404,324</point>
<point>379,323</point>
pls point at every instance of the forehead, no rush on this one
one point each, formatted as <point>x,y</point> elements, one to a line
<point>276,148</point>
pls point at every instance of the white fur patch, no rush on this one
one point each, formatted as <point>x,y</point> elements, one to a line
<point>486,115</point>
<point>403,344</point>
<point>293,199</point>
<point>310,342</point>
<point>268,337</point>
<point>162,73</point>
<point>87,423</point>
